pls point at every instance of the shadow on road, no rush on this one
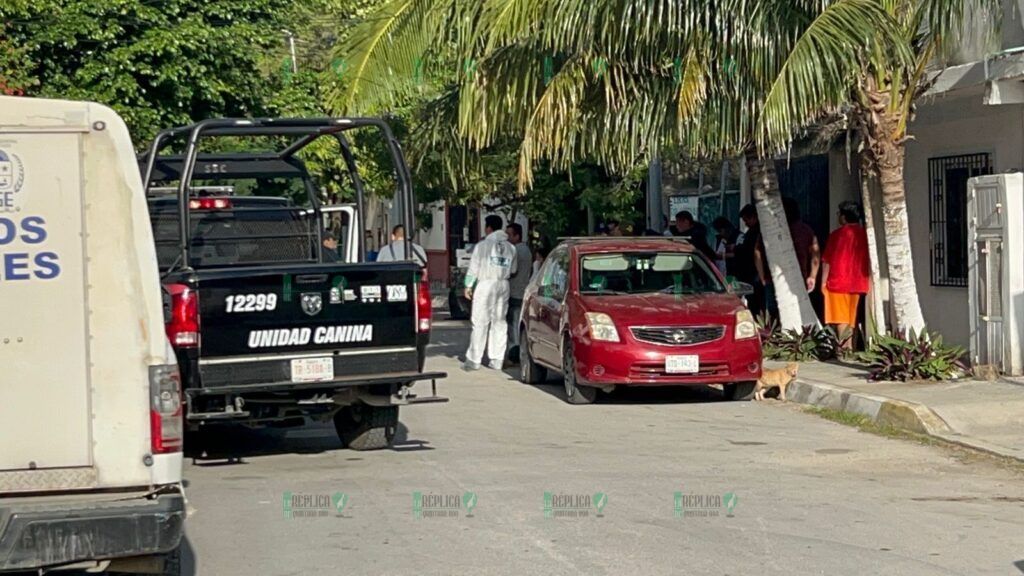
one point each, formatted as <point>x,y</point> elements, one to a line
<point>188,558</point>
<point>554,386</point>
<point>231,445</point>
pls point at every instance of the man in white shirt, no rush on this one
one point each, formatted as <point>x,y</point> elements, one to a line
<point>395,252</point>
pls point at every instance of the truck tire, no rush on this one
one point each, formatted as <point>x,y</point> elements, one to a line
<point>740,390</point>
<point>365,427</point>
<point>529,371</point>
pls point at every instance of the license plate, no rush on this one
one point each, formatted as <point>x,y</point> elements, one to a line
<point>689,364</point>
<point>312,369</point>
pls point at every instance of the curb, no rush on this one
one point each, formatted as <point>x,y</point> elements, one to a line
<point>885,411</point>
<point>882,410</point>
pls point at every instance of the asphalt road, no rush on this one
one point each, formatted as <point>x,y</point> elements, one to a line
<point>807,496</point>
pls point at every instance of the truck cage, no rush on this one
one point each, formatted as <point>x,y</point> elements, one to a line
<point>185,167</point>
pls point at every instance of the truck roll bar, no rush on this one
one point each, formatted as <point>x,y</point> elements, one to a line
<point>182,167</point>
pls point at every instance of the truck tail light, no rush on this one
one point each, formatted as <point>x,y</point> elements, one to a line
<point>165,411</point>
<point>209,203</point>
<point>183,326</point>
<point>424,309</point>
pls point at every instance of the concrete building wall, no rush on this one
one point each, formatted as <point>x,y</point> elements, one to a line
<point>843,181</point>
<point>436,236</point>
<point>954,124</point>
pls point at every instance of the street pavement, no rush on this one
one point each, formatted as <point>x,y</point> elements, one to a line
<point>671,482</point>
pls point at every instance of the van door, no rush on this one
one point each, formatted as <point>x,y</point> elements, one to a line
<point>44,375</point>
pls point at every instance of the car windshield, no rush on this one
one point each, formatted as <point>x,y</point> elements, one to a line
<point>647,272</point>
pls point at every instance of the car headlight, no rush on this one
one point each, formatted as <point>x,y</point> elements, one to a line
<point>602,327</point>
<point>745,326</point>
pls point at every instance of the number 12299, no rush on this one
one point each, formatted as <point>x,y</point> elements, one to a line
<point>239,303</point>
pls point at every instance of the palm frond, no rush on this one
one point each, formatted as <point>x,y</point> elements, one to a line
<point>823,65</point>
<point>385,56</point>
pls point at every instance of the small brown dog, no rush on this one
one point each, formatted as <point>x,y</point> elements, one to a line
<point>779,378</point>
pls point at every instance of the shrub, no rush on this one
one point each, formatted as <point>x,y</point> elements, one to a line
<point>809,343</point>
<point>914,357</point>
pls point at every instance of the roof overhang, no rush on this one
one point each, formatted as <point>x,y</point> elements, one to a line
<point>1001,76</point>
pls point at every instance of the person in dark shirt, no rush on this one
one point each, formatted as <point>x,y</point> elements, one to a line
<point>748,250</point>
<point>330,250</point>
<point>695,232</point>
<point>805,243</point>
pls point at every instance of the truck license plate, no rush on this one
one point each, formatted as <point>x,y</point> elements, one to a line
<point>313,369</point>
<point>689,364</point>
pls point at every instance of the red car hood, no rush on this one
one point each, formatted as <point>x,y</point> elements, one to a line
<point>665,309</point>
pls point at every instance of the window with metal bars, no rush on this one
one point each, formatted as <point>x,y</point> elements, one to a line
<point>947,210</point>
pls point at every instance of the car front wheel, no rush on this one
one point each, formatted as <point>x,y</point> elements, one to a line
<point>574,392</point>
<point>740,390</point>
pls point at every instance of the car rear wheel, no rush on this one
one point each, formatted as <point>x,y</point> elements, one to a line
<point>740,390</point>
<point>529,371</point>
<point>574,393</point>
<point>364,427</point>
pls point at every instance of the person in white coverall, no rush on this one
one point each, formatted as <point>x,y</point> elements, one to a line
<point>492,262</point>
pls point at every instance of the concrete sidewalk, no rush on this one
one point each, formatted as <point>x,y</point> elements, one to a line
<point>987,416</point>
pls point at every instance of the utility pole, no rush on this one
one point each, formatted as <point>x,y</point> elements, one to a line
<point>291,48</point>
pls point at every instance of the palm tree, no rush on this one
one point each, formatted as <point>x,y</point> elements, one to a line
<point>881,108</point>
<point>615,81</point>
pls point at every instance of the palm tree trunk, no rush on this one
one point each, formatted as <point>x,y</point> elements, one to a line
<point>795,309</point>
<point>887,157</point>
<point>875,307</point>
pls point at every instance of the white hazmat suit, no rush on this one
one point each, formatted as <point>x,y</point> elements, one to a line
<point>492,262</point>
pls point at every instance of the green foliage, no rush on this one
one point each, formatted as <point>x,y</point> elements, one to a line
<point>157,64</point>
<point>914,357</point>
<point>809,343</point>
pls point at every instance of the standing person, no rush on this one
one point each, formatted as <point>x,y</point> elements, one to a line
<point>725,244</point>
<point>805,243</point>
<point>750,260</point>
<point>395,252</point>
<point>492,263</point>
<point>695,232</point>
<point>517,285</point>
<point>846,272</point>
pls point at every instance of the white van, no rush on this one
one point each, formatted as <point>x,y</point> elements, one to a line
<point>90,409</point>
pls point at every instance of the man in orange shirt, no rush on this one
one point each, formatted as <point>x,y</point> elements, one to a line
<point>846,272</point>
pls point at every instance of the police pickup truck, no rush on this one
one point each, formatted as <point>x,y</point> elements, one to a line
<point>273,311</point>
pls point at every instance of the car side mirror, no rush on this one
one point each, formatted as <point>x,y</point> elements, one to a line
<point>740,288</point>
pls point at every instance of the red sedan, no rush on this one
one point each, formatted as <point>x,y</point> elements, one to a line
<point>609,312</point>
